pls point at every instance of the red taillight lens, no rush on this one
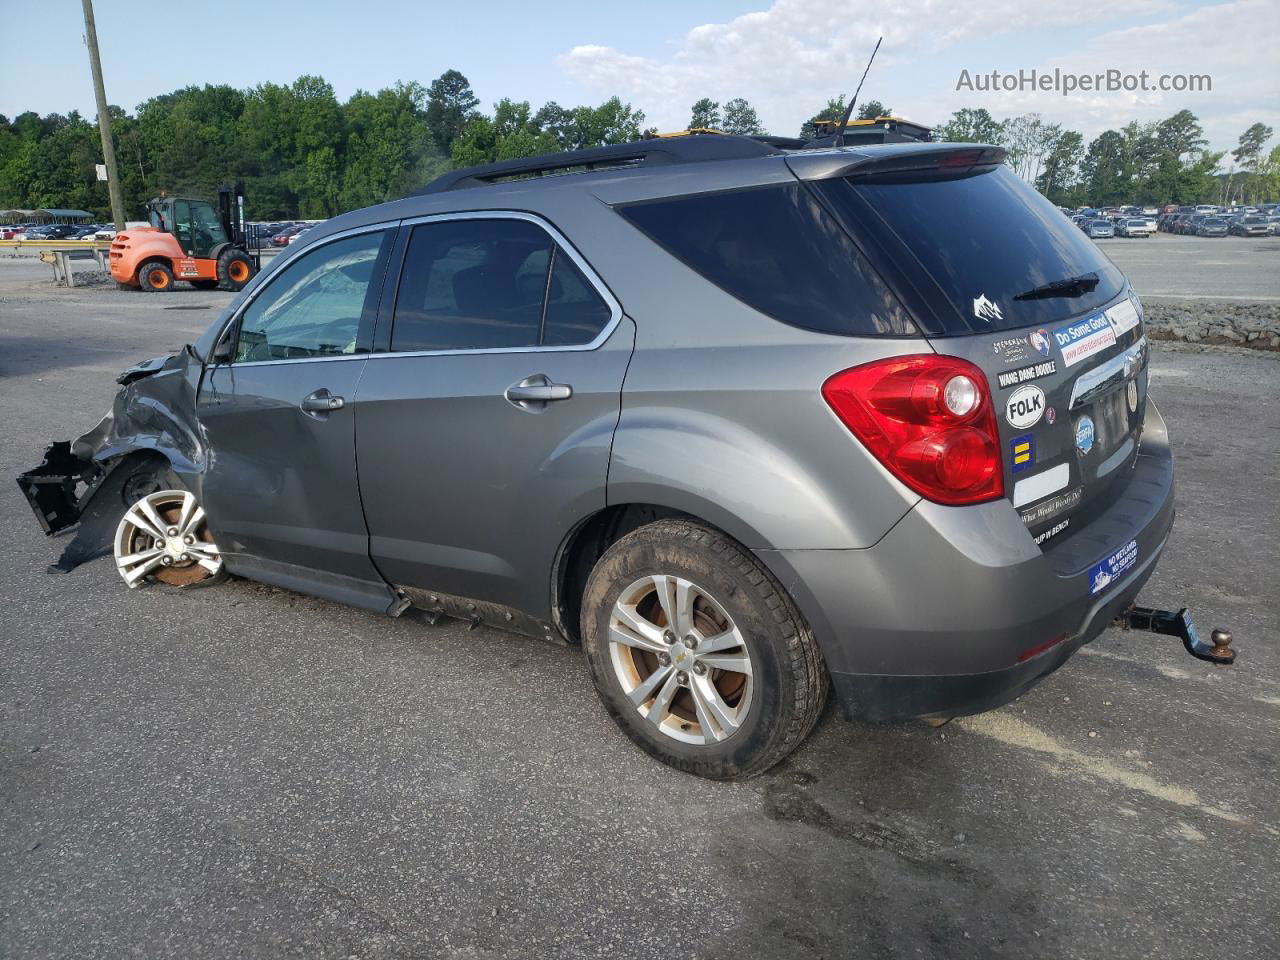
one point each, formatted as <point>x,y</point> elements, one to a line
<point>929,419</point>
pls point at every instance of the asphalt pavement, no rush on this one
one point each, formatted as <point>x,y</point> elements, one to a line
<point>245,772</point>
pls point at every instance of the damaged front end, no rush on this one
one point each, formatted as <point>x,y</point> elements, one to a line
<point>150,430</point>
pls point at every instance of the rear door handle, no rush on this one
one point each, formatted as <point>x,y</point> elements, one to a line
<point>321,402</point>
<point>536,391</point>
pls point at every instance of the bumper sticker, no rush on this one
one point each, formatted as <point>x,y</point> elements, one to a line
<point>1011,378</point>
<point>1025,407</point>
<point>1102,574</point>
<point>1022,452</point>
<point>1084,434</point>
<point>1051,508</point>
<point>1123,316</point>
<point>1082,339</point>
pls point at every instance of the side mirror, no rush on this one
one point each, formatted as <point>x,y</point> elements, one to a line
<point>225,348</point>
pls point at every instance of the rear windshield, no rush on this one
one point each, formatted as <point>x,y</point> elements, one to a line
<point>966,245</point>
<point>776,249</point>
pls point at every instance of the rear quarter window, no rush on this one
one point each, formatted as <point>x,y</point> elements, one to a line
<point>776,249</point>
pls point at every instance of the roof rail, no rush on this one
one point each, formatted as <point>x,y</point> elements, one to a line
<point>678,149</point>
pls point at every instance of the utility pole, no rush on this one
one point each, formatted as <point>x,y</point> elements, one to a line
<point>104,119</point>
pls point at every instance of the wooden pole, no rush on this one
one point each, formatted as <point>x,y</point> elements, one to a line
<point>104,118</point>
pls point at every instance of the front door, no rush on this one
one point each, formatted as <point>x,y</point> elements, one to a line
<point>483,431</point>
<point>280,488</point>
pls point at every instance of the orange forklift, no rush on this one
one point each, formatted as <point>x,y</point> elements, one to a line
<point>187,240</point>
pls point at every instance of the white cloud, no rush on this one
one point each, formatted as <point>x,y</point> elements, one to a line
<point>787,60</point>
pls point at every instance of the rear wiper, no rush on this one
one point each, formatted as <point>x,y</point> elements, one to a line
<point>1070,287</point>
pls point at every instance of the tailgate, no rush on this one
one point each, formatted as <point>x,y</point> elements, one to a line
<point>1070,401</point>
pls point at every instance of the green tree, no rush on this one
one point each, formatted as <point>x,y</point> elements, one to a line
<point>873,109</point>
<point>740,118</point>
<point>971,126</point>
<point>1181,136</point>
<point>705,115</point>
<point>1058,175</point>
<point>451,105</point>
<point>508,135</point>
<point>831,112</point>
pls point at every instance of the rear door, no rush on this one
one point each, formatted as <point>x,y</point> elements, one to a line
<point>486,414</point>
<point>997,275</point>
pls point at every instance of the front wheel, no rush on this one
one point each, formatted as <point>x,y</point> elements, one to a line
<point>235,269</point>
<point>164,538</point>
<point>698,653</point>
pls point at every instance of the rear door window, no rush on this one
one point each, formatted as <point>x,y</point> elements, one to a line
<point>492,284</point>
<point>971,245</point>
<point>776,249</point>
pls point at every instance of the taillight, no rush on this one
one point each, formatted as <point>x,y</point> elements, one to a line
<point>929,419</point>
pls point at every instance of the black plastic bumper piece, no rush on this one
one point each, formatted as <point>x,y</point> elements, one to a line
<point>50,488</point>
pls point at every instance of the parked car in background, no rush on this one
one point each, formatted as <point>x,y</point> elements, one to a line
<point>1099,229</point>
<point>105,232</point>
<point>303,232</point>
<point>1273,225</point>
<point>53,231</point>
<point>87,232</point>
<point>281,239</point>
<point>1212,227</point>
<point>1134,227</point>
<point>1249,227</point>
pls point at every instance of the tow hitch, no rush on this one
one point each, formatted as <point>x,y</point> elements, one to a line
<point>1179,625</point>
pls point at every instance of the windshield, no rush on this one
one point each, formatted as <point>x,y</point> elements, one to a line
<point>963,242</point>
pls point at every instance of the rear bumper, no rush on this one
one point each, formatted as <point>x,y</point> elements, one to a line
<point>957,610</point>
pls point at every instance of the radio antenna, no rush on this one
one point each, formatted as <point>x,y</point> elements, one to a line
<point>844,121</point>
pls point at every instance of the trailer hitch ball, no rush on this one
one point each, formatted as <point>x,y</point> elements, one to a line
<point>1179,624</point>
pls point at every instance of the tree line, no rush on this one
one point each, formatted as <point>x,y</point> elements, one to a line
<point>300,152</point>
<point>1140,163</point>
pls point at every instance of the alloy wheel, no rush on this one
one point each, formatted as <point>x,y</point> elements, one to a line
<point>164,536</point>
<point>680,659</point>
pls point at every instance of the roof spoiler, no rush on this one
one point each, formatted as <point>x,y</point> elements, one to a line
<point>957,159</point>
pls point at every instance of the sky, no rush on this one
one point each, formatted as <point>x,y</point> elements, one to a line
<point>786,57</point>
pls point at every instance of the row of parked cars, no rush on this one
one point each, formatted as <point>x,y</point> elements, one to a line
<point>57,231</point>
<point>279,233</point>
<point>1097,227</point>
<point>1260,223</point>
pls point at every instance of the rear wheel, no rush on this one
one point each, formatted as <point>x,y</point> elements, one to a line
<point>156,276</point>
<point>235,269</point>
<point>165,538</point>
<point>697,652</point>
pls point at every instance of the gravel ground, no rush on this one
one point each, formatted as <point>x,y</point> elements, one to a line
<point>247,772</point>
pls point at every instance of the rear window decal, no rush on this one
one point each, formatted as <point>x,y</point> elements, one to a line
<point>984,309</point>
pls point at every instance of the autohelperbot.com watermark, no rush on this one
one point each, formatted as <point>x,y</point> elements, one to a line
<point>1067,83</point>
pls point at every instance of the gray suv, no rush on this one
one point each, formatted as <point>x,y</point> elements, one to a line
<point>751,424</point>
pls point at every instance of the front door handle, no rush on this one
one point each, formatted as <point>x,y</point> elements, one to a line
<point>536,391</point>
<point>321,402</point>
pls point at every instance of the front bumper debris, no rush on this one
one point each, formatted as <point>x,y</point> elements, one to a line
<point>53,489</point>
<point>1169,623</point>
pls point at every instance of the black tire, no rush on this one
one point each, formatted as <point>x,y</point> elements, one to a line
<point>155,277</point>
<point>790,679</point>
<point>235,269</point>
